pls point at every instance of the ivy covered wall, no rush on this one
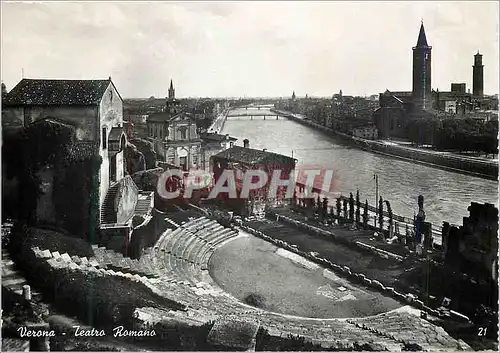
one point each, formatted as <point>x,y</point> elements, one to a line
<point>71,168</point>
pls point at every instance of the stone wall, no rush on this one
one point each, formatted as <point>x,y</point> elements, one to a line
<point>116,238</point>
<point>476,239</point>
<point>83,118</point>
<point>110,115</point>
<point>126,200</point>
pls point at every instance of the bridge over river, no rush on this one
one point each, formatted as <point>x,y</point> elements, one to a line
<point>250,112</point>
<point>447,194</point>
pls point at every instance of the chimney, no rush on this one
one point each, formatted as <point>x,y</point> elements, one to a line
<point>246,143</point>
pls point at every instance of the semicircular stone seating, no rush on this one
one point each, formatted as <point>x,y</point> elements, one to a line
<point>180,258</point>
<point>182,255</point>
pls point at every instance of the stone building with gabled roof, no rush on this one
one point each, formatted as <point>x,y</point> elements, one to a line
<point>241,159</point>
<point>93,109</point>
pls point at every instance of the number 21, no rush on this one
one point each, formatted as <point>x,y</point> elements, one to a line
<point>482,331</point>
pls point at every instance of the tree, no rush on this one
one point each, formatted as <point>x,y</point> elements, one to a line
<point>381,214</point>
<point>358,206</point>
<point>365,214</point>
<point>345,209</point>
<point>351,207</point>
<point>389,211</point>
<point>339,206</point>
<point>325,207</point>
<point>466,135</point>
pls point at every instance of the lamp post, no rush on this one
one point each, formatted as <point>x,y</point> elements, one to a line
<point>375,177</point>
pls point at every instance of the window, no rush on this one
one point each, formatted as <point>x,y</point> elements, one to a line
<point>183,133</point>
<point>123,143</point>
<point>231,144</point>
<point>111,96</point>
<point>104,138</point>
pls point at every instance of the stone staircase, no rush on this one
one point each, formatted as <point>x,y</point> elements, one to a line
<point>12,279</point>
<point>408,329</point>
<point>108,212</point>
<point>83,264</point>
<point>116,261</point>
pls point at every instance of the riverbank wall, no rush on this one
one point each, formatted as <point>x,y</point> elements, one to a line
<point>218,123</point>
<point>449,162</point>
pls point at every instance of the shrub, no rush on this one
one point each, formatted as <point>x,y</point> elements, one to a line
<point>137,220</point>
<point>255,300</point>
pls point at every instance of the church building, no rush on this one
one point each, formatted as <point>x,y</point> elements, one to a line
<point>174,135</point>
<point>396,108</point>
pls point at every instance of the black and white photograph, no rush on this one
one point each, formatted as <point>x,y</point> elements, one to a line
<point>249,176</point>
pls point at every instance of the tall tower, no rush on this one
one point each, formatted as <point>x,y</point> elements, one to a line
<point>477,76</point>
<point>171,91</point>
<point>172,105</point>
<point>421,93</point>
<point>293,96</point>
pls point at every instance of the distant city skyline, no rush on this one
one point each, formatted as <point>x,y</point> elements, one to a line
<point>248,49</point>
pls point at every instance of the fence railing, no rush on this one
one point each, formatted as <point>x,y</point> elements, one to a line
<point>436,230</point>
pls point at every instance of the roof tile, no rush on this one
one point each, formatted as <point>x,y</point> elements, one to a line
<point>41,92</point>
<point>253,156</point>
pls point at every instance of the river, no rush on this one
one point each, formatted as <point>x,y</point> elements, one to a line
<point>447,195</point>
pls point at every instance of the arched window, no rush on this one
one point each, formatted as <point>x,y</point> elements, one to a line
<point>123,142</point>
<point>104,138</point>
<point>183,132</point>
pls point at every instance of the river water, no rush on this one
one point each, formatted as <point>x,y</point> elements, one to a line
<point>447,195</point>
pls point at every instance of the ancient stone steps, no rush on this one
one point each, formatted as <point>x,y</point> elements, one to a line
<point>116,261</point>
<point>12,279</point>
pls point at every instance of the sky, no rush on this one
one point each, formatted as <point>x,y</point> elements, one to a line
<point>248,49</point>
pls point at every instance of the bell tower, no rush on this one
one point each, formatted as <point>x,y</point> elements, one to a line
<point>172,105</point>
<point>171,91</point>
<point>477,76</point>
<point>421,92</point>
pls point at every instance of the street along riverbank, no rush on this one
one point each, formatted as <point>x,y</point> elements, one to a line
<point>454,163</point>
